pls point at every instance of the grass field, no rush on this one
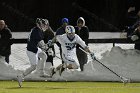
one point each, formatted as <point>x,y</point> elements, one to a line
<point>69,87</point>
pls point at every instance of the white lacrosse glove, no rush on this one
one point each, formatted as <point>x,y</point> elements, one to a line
<point>50,52</point>
<point>134,37</point>
<point>92,56</point>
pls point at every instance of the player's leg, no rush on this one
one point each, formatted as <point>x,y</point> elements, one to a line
<point>82,58</point>
<point>42,56</point>
<point>33,61</point>
<point>49,65</point>
<point>59,68</point>
<point>70,63</point>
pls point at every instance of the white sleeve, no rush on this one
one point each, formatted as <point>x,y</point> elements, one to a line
<point>80,41</point>
<point>59,39</point>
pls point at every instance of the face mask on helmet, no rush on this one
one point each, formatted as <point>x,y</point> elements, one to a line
<point>70,31</point>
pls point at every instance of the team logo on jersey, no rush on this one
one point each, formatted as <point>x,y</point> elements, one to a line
<point>70,46</point>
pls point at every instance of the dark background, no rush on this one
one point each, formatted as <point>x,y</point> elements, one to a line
<point>100,15</point>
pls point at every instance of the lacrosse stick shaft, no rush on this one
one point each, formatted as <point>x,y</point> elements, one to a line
<point>122,78</point>
<point>58,57</point>
<point>109,69</point>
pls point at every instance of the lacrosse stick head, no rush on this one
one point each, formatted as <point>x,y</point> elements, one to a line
<point>125,80</point>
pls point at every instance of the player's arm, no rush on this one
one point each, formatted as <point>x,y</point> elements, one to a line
<point>89,51</point>
<point>85,47</point>
<point>42,45</point>
<point>51,42</point>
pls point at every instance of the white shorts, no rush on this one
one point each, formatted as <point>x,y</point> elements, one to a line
<point>70,60</point>
<point>33,57</point>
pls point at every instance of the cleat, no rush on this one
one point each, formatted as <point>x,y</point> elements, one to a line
<point>125,80</point>
<point>61,70</point>
<point>53,72</point>
<point>19,79</point>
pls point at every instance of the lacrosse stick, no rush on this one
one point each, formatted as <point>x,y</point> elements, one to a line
<point>123,79</point>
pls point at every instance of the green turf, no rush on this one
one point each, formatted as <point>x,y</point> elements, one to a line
<point>68,87</point>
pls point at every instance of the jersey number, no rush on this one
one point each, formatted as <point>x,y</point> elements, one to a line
<point>69,47</point>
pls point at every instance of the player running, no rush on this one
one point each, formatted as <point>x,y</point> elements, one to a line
<point>35,47</point>
<point>68,42</point>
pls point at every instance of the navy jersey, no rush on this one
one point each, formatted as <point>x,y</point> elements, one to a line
<point>35,36</point>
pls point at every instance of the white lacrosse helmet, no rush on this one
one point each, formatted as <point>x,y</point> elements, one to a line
<point>69,29</point>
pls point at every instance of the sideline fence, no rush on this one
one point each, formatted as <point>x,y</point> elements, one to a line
<point>109,40</point>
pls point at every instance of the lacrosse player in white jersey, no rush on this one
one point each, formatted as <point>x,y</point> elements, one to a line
<point>68,42</point>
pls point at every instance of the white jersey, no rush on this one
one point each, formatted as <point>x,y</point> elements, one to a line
<point>68,46</point>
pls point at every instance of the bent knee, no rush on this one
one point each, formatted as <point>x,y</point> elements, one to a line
<point>42,55</point>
